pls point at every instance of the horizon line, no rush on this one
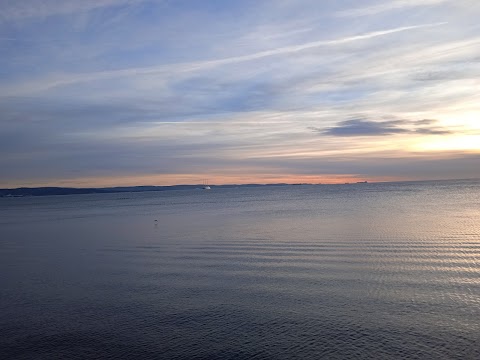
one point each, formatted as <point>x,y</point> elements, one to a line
<point>243,184</point>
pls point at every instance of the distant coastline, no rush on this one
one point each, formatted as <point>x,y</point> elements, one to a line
<point>49,191</point>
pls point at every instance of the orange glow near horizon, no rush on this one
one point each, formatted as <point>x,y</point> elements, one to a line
<point>193,179</point>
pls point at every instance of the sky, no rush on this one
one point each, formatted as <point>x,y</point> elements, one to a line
<point>161,92</point>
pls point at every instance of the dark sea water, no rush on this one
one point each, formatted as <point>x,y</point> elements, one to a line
<point>364,271</point>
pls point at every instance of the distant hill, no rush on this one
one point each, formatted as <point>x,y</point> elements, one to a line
<point>45,191</point>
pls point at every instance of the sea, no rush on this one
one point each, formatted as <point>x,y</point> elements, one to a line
<point>354,271</point>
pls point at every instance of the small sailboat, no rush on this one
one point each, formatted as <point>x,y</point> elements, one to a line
<point>205,185</point>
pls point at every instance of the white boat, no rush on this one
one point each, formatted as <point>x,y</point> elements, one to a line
<point>205,186</point>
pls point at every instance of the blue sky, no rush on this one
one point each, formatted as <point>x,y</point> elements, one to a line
<point>136,92</point>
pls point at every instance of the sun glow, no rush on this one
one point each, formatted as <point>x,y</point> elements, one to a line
<point>451,143</point>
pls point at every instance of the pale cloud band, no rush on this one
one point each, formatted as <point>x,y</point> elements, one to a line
<point>33,9</point>
<point>62,80</point>
<point>388,6</point>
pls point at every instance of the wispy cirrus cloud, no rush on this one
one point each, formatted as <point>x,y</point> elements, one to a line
<point>387,6</point>
<point>28,9</point>
<point>63,80</point>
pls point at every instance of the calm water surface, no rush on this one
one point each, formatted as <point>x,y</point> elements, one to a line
<point>365,271</point>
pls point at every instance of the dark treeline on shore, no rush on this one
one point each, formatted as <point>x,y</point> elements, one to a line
<point>44,191</point>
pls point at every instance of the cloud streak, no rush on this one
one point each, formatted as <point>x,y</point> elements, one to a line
<point>59,80</point>
<point>362,127</point>
<point>27,9</point>
<point>388,6</point>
